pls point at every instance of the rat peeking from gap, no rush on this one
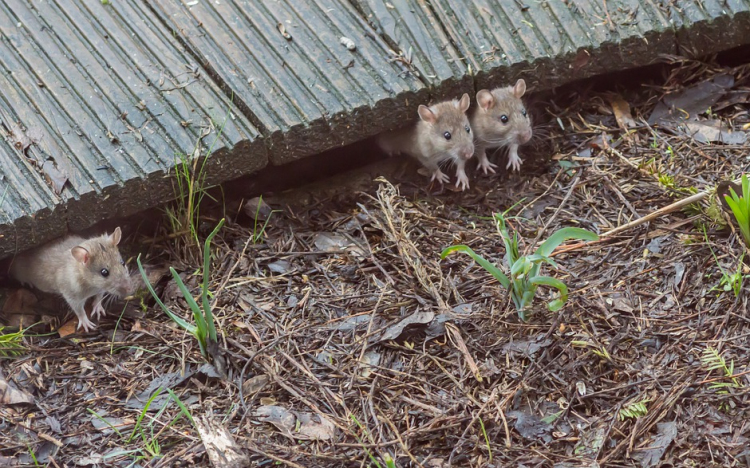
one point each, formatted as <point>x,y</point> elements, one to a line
<point>500,120</point>
<point>442,134</point>
<point>77,269</point>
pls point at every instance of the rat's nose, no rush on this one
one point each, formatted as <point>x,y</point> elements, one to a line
<point>467,153</point>
<point>525,136</point>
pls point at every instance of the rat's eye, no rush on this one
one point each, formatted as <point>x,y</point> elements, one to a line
<point>122,262</point>
<point>104,272</point>
<point>504,118</point>
<point>523,111</point>
<point>468,129</point>
<point>447,135</point>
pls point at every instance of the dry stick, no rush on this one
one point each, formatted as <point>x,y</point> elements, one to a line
<point>649,217</point>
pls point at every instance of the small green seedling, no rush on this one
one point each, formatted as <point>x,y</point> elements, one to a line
<point>524,270</point>
<point>740,206</point>
<point>11,344</point>
<point>204,329</point>
<point>634,410</point>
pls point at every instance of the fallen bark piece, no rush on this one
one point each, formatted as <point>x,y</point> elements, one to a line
<point>222,450</point>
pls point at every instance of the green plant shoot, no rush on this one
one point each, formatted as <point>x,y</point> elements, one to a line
<point>524,276</point>
<point>740,206</point>
<point>204,329</point>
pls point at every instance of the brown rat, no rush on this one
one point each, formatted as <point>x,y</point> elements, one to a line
<point>442,134</point>
<point>77,269</point>
<point>500,120</point>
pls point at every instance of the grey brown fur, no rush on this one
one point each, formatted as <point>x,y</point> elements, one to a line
<point>73,267</point>
<point>490,129</point>
<point>442,134</point>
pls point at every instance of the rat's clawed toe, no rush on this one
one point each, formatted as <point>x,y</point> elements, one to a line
<point>440,176</point>
<point>515,162</point>
<point>85,323</point>
<point>487,167</point>
<point>98,311</point>
<point>462,181</point>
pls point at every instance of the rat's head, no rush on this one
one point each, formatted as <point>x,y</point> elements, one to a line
<point>103,267</point>
<point>448,127</point>
<point>501,118</point>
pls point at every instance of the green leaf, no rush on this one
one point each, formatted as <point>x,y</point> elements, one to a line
<point>492,269</point>
<point>182,323</point>
<point>553,283</point>
<point>561,236</point>
<point>206,267</point>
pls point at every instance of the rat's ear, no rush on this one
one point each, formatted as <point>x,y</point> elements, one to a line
<point>519,88</point>
<point>464,103</point>
<point>485,99</point>
<point>116,236</point>
<point>426,114</point>
<point>81,254</point>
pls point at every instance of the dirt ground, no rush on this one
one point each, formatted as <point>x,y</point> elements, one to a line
<point>347,341</point>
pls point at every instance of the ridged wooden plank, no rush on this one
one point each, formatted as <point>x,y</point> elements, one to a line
<point>545,41</point>
<point>283,63</point>
<point>417,38</point>
<point>106,92</point>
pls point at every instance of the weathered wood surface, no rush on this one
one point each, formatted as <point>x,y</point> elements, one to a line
<point>100,97</point>
<point>97,99</point>
<point>284,63</point>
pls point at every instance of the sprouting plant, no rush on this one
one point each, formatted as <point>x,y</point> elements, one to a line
<point>258,231</point>
<point>204,329</point>
<point>600,351</point>
<point>730,281</point>
<point>389,462</point>
<point>11,344</point>
<point>633,410</point>
<point>524,270</point>
<point>713,360</point>
<point>486,439</point>
<point>740,206</point>
<point>190,186</point>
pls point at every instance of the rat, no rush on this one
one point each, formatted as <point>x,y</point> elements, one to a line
<point>77,269</point>
<point>443,133</point>
<point>500,120</point>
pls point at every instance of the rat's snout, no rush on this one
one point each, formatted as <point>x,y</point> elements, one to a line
<point>524,136</point>
<point>125,287</point>
<point>466,153</point>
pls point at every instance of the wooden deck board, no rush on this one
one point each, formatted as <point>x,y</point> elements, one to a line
<point>110,94</point>
<point>106,93</point>
<point>284,63</point>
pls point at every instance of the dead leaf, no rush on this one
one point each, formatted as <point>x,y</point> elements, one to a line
<point>303,426</point>
<point>20,301</point>
<point>415,322</point>
<point>713,131</point>
<point>257,209</point>
<point>582,59</point>
<point>18,136</point>
<point>369,360</point>
<point>621,109</point>
<point>282,30</point>
<point>54,176</point>
<point>689,103</point>
<point>10,395</point>
<point>335,242</point>
<point>222,450</point>
<point>255,384</point>
<point>527,347</point>
<point>650,456</point>
<point>531,426</point>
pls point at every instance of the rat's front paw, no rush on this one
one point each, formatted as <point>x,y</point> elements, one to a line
<point>98,310</point>
<point>440,176</point>
<point>514,161</point>
<point>462,182</point>
<point>85,323</point>
<point>486,166</point>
